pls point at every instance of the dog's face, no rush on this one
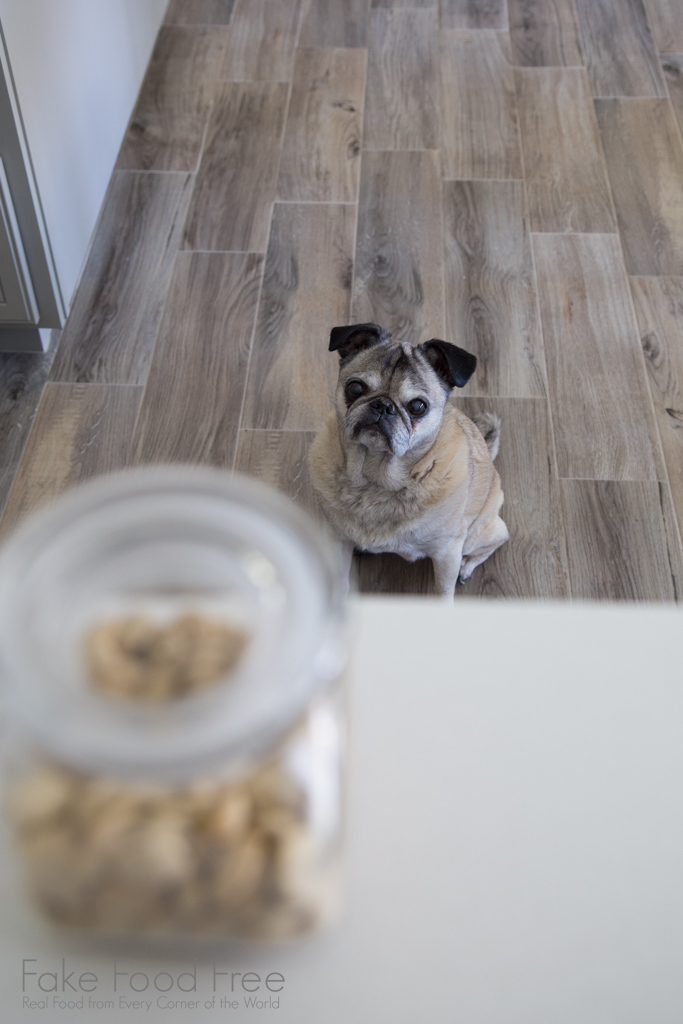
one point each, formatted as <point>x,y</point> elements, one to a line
<point>390,396</point>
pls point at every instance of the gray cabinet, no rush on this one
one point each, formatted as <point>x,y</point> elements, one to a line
<point>30,299</point>
<point>17,298</point>
<point>69,74</point>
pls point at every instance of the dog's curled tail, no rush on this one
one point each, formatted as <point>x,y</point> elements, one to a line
<point>489,426</point>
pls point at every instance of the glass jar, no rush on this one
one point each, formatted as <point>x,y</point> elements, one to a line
<point>148,797</point>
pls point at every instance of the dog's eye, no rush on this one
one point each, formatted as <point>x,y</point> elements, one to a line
<point>417,407</point>
<point>354,389</point>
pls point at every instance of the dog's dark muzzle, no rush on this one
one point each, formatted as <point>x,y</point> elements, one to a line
<point>379,413</point>
<point>382,407</point>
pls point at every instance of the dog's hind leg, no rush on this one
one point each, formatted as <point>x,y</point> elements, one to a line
<point>494,537</point>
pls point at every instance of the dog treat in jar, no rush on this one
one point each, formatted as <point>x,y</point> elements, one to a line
<point>172,642</point>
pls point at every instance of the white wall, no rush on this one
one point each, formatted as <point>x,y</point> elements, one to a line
<point>78,66</point>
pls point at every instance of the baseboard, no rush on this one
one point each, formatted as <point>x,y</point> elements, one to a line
<point>25,339</point>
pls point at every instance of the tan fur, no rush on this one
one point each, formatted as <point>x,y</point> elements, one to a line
<point>443,505</point>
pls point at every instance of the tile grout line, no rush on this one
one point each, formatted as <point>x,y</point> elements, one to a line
<point>442,220</point>
<point>193,175</point>
<point>257,310</point>
<point>652,481</point>
<point>535,68</point>
<point>153,170</point>
<point>218,81</point>
<point>579,234</point>
<point>446,177</point>
<point>314,202</point>
<point>650,392</point>
<point>226,252</point>
<point>263,269</point>
<point>677,122</point>
<point>209,115</point>
<point>551,411</point>
<point>354,250</point>
<point>252,342</point>
<point>648,22</point>
<point>530,233</point>
<point>92,384</point>
<point>632,309</point>
<point>554,471</point>
<point>655,277</point>
<point>631,99</point>
<point>297,35</point>
<point>279,430</point>
<point>677,529</point>
<point>439,171</point>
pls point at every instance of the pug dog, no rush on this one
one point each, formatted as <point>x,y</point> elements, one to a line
<point>397,467</point>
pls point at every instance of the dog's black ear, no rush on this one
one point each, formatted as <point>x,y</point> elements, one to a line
<point>454,365</point>
<point>349,341</point>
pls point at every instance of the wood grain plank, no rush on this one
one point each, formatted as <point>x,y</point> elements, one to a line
<point>659,311</point>
<point>335,23</point>
<point>199,12</point>
<point>666,20</point>
<point>620,52</point>
<point>306,291</point>
<point>237,176</point>
<point>401,107</point>
<point>80,431</point>
<point>405,3</point>
<point>321,149</point>
<point>602,412</point>
<point>491,307</point>
<point>110,333</point>
<point>616,541</point>
<point>262,40</point>
<point>474,14</point>
<point>479,131</point>
<point>22,381</point>
<point>673,539</point>
<point>399,252</point>
<point>278,458</point>
<point>564,167</point>
<point>533,562</point>
<point>672,66</point>
<point>391,574</point>
<point>170,116</point>
<point>644,155</point>
<point>545,33</point>
<point>191,407</point>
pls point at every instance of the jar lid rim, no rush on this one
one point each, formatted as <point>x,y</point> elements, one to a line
<point>238,715</point>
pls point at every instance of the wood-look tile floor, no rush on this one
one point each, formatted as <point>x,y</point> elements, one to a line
<point>504,174</point>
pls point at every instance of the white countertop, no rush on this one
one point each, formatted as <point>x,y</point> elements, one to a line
<point>515,851</point>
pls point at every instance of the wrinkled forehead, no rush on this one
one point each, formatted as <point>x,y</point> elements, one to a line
<point>391,368</point>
